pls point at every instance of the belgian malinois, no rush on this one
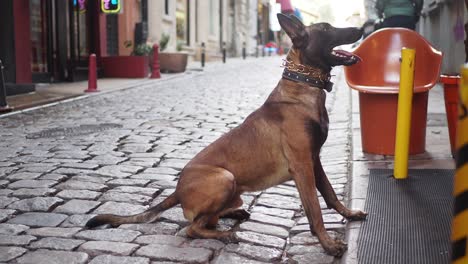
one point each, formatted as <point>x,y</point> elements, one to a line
<point>278,142</point>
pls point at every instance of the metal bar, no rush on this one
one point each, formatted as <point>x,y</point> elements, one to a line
<point>405,98</point>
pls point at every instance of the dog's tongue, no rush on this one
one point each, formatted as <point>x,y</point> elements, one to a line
<point>347,53</point>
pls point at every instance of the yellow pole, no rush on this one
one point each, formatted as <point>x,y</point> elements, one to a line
<point>405,98</point>
<point>460,213</point>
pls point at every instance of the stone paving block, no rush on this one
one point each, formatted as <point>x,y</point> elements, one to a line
<point>170,253</point>
<point>44,256</point>
<point>137,190</point>
<point>12,229</point>
<point>38,219</point>
<point>163,184</point>
<point>78,194</point>
<point>77,220</point>
<point>87,178</point>
<point>118,171</point>
<point>125,197</point>
<point>43,204</point>
<point>106,159</point>
<point>71,171</point>
<point>227,257</point>
<point>6,214</point>
<point>95,248</point>
<point>26,192</point>
<point>10,253</point>
<point>321,258</point>
<point>53,232</point>
<point>306,238</point>
<point>81,185</point>
<point>153,177</point>
<point>23,176</point>
<point>112,234</point>
<point>54,177</point>
<point>268,219</point>
<point>264,229</point>
<point>327,218</point>
<point>308,249</point>
<point>261,239</point>
<point>283,191</point>
<point>157,228</point>
<point>212,244</point>
<point>174,214</point>
<point>55,243</point>
<point>3,184</point>
<point>132,182</point>
<point>77,207</point>
<point>119,208</point>
<point>160,239</point>
<point>255,252</point>
<point>109,259</point>
<point>162,171</point>
<point>6,170</point>
<point>5,201</point>
<point>279,203</point>
<point>277,212</point>
<point>87,166</point>
<point>16,240</point>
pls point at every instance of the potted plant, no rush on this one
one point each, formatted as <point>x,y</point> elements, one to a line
<point>136,65</point>
<point>171,62</point>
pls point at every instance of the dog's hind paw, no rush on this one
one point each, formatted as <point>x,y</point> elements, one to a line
<point>239,214</point>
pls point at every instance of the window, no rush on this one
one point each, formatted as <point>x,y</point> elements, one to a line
<point>166,7</point>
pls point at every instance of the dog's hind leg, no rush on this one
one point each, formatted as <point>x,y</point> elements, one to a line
<point>205,193</point>
<point>329,195</point>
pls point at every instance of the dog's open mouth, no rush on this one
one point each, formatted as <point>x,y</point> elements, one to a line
<point>346,57</point>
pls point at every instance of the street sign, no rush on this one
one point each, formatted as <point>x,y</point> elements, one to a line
<point>111,6</point>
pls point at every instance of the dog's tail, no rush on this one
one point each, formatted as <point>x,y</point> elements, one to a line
<point>147,216</point>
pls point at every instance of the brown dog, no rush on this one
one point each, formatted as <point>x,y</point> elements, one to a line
<point>278,142</point>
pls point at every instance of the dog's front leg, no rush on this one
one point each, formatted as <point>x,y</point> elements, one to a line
<point>329,195</point>
<point>302,172</point>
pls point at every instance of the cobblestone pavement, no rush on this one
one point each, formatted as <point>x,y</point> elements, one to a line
<point>121,152</point>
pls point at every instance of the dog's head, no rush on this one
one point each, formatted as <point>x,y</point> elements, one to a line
<point>315,44</point>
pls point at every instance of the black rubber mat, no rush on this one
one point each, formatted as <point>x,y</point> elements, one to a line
<point>409,220</point>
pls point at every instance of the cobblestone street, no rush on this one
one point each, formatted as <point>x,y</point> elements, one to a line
<point>121,152</point>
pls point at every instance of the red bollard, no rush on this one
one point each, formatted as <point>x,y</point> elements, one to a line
<point>155,73</point>
<point>92,74</point>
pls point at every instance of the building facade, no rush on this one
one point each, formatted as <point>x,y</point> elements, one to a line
<point>50,40</point>
<point>216,23</point>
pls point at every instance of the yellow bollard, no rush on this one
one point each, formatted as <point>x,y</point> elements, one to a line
<point>460,213</point>
<point>405,98</point>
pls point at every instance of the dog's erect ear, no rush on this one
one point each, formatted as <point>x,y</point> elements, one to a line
<point>294,28</point>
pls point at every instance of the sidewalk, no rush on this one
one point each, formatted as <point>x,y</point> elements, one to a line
<point>437,156</point>
<point>51,93</point>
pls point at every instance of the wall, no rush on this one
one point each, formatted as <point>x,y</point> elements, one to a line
<point>438,27</point>
<point>130,15</point>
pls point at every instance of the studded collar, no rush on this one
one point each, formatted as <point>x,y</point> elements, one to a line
<point>306,74</point>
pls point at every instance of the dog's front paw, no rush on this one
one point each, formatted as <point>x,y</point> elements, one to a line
<point>356,215</point>
<point>335,247</point>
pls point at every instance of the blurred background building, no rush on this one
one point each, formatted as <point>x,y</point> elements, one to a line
<point>43,41</point>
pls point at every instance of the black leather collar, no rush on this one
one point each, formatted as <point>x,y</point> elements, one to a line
<point>297,77</point>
